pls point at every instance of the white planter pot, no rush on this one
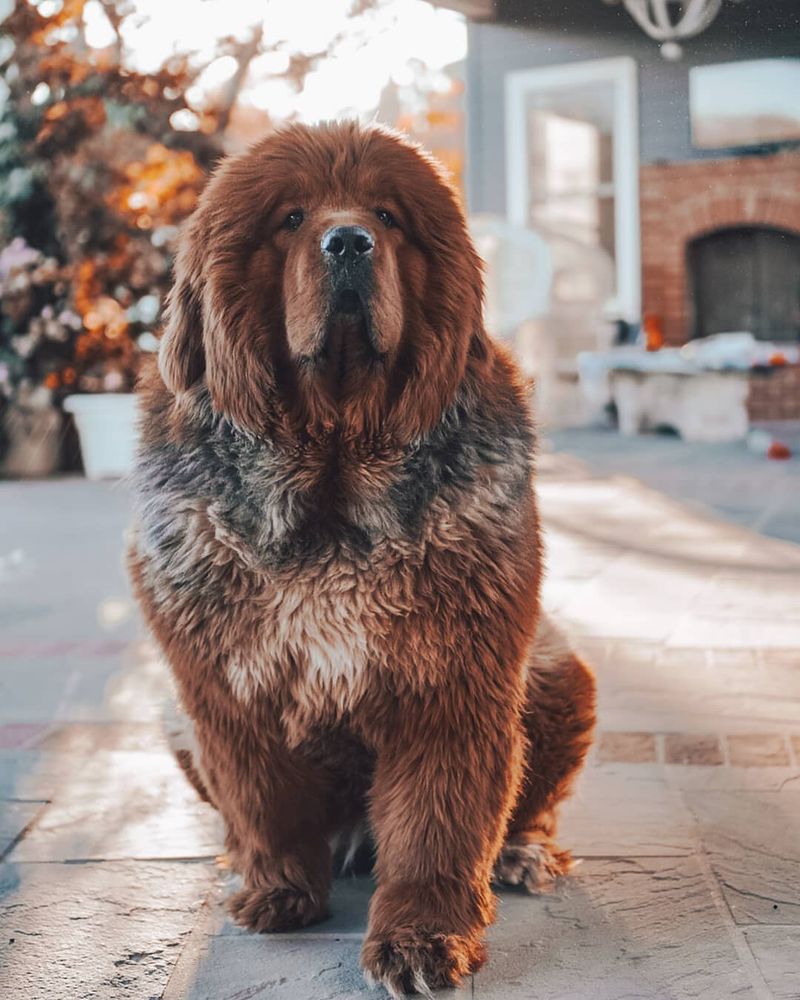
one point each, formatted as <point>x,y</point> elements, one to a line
<point>108,432</point>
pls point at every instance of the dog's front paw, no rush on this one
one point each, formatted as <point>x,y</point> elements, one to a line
<point>269,909</point>
<point>413,961</point>
<point>535,866</point>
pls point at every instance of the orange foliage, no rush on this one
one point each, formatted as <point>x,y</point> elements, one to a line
<point>58,68</point>
<point>71,12</point>
<point>159,191</point>
<point>90,111</point>
<point>104,319</point>
<point>115,176</point>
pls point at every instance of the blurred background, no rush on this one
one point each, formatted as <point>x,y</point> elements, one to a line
<point>630,170</point>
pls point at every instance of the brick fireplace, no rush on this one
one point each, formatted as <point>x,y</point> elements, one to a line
<point>683,202</point>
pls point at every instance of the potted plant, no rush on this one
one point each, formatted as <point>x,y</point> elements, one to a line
<point>116,303</point>
<point>62,343</point>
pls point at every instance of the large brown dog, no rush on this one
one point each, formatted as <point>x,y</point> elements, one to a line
<point>337,547</point>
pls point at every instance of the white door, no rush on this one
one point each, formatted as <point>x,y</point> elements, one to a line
<point>572,162</point>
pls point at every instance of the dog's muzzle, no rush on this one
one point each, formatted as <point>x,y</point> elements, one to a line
<point>347,252</point>
<point>350,337</point>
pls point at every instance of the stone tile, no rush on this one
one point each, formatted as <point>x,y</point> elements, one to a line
<point>17,735</point>
<point>643,929</point>
<point>14,817</point>
<point>121,805</point>
<point>29,774</point>
<point>131,685</point>
<point>780,658</point>
<point>758,750</point>
<point>656,713</point>
<point>625,810</point>
<point>105,931</point>
<point>731,634</point>
<point>276,966</point>
<point>89,737</point>
<point>626,748</point>
<point>753,843</point>
<point>734,779</point>
<point>775,950</point>
<point>692,748</point>
<point>719,679</point>
<point>743,661</point>
<point>681,685</point>
<point>796,747</point>
<point>753,595</point>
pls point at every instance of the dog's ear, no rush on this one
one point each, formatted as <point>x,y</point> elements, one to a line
<point>209,332</point>
<point>181,358</point>
<point>237,346</point>
<point>447,333</point>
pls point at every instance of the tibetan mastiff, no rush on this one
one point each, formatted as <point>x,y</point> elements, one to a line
<point>336,545</point>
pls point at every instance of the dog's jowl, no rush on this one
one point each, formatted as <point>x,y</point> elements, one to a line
<point>336,545</point>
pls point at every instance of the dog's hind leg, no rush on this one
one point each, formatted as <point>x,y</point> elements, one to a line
<point>559,719</point>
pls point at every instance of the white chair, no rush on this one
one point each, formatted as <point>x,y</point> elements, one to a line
<point>545,296</point>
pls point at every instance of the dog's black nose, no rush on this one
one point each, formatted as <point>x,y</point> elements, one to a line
<point>347,243</point>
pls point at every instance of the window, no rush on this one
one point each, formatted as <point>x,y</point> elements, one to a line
<point>745,103</point>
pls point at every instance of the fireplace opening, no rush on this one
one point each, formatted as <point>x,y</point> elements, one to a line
<point>746,278</point>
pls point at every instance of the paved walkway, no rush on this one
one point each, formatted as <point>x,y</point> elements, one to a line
<point>743,487</point>
<point>687,817</point>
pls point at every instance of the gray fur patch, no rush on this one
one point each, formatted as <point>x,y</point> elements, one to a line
<point>251,491</point>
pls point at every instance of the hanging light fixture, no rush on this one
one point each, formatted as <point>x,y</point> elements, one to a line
<point>669,21</point>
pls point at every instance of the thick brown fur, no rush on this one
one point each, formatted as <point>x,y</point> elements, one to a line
<point>337,547</point>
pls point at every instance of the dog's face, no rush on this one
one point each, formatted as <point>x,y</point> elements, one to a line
<point>327,279</point>
<point>341,260</point>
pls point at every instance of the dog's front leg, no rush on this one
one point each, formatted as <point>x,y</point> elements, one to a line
<point>445,775</point>
<point>274,807</point>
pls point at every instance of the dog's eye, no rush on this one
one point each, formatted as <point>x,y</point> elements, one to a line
<point>294,219</point>
<point>385,217</point>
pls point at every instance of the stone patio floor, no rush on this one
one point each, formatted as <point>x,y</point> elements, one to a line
<point>687,816</point>
<point>743,487</point>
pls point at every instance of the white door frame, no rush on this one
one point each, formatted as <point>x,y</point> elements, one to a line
<point>622,73</point>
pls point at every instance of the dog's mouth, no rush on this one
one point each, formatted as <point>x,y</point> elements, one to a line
<point>348,344</point>
<point>348,303</point>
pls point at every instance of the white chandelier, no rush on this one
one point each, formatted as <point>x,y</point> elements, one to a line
<point>668,21</point>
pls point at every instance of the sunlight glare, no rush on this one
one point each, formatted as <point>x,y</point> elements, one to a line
<point>369,50</point>
<point>97,28</point>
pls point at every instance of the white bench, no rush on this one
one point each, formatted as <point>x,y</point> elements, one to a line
<point>700,406</point>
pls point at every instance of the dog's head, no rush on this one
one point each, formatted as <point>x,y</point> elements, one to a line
<point>327,276</point>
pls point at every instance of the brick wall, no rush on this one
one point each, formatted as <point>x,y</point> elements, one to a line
<point>775,396</point>
<point>681,201</point>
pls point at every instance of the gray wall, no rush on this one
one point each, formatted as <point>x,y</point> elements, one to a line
<point>545,33</point>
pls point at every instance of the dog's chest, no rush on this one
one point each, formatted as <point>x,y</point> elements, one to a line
<point>310,639</point>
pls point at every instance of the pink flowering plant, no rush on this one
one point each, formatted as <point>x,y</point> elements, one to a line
<point>38,329</point>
